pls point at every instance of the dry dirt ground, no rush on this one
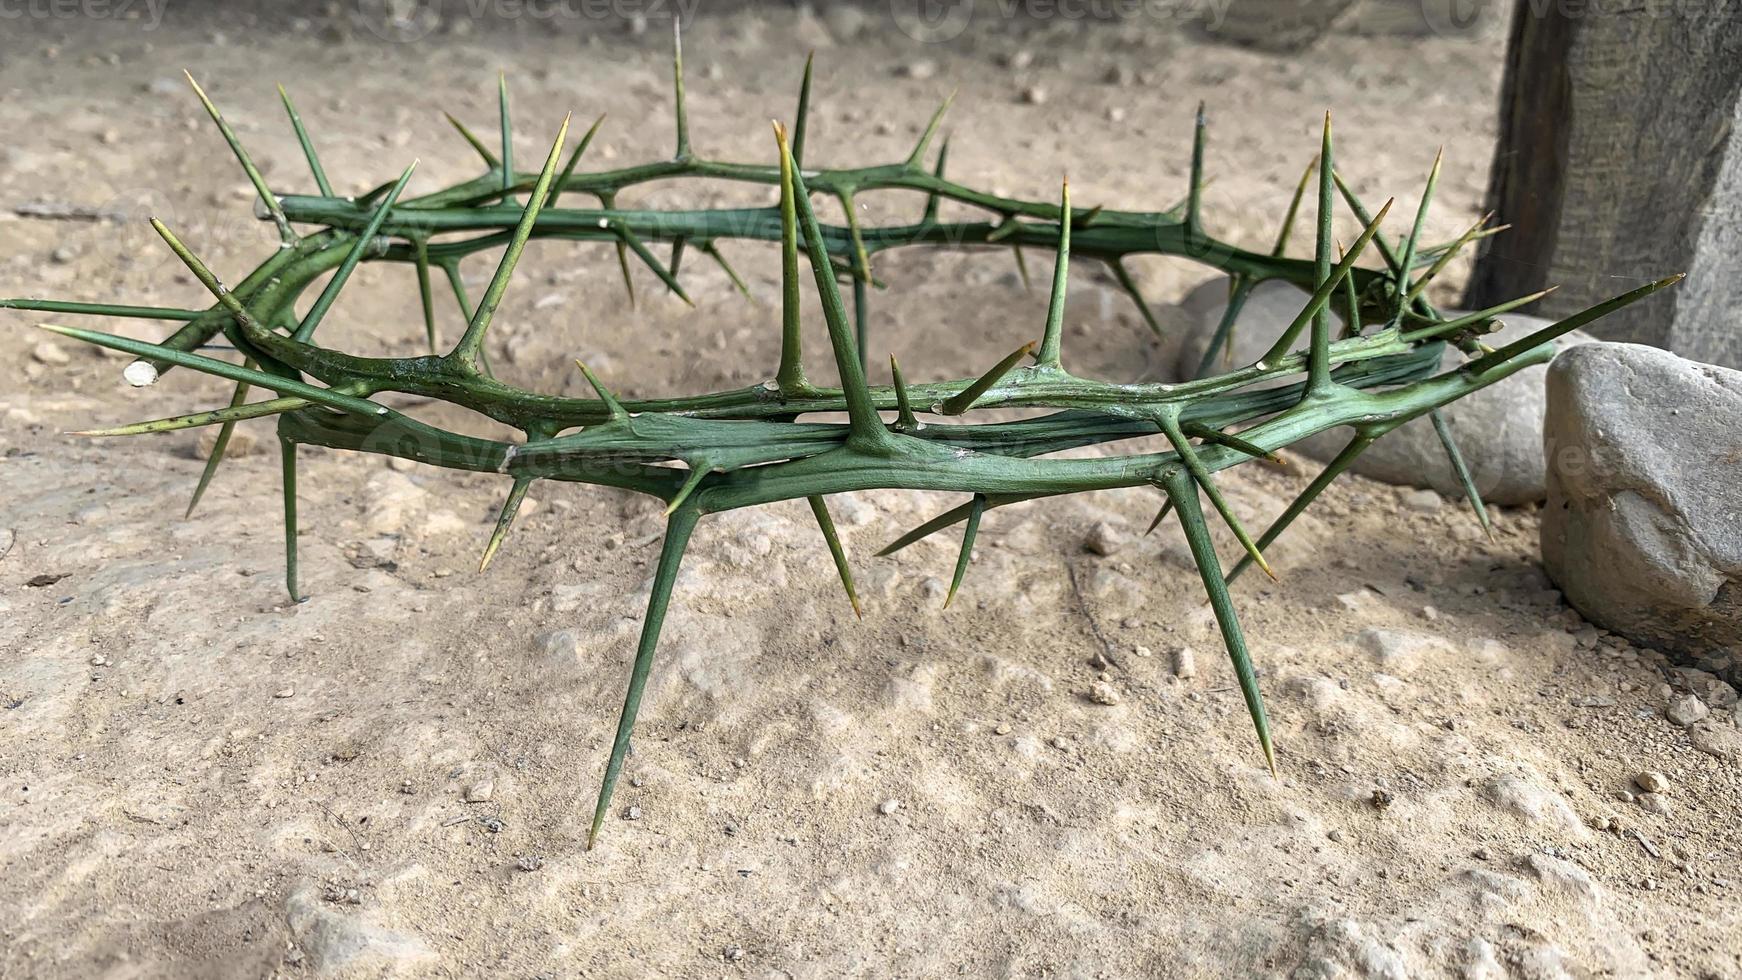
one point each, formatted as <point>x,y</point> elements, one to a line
<point>202,780</point>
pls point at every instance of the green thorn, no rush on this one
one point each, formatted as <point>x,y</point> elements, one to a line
<point>1287,230</point>
<point>677,249</point>
<point>101,309</point>
<point>505,519</point>
<point>287,467</point>
<point>1022,267</point>
<point>425,294</point>
<point>1234,442</point>
<point>1160,515</point>
<point>220,445</point>
<point>1195,467</point>
<point>1446,328</point>
<point>467,351</point>
<point>477,144</point>
<point>712,250</point>
<point>507,124</point>
<point>790,375</point>
<point>612,405</point>
<point>964,400</point>
<point>1407,261</point>
<point>1130,286</point>
<point>1010,225</point>
<point>1184,494</point>
<point>917,157</point>
<point>238,411</point>
<point>1315,307</point>
<point>866,428</point>
<point>1318,352</point>
<point>1459,467</point>
<point>308,146</point>
<point>225,298</point>
<point>904,420</point>
<point>627,236</point>
<point>1445,257</point>
<point>802,119</point>
<point>556,188</point>
<point>1055,308</point>
<point>677,535</point>
<point>253,172</point>
<point>331,397</point>
<point>861,258</point>
<point>954,515</point>
<point>683,122</point>
<point>365,239</point>
<point>827,524</point>
<point>1195,190</point>
<point>698,470</point>
<point>932,199</point>
<point>1239,289</point>
<point>1332,470</point>
<point>976,508</point>
<point>1574,322</point>
<point>861,318</point>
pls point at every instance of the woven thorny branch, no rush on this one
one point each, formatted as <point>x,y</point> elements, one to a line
<point>725,450</point>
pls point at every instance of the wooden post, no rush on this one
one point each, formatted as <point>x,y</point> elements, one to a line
<point>1620,161</point>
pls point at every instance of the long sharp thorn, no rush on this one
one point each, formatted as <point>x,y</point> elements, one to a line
<point>1022,267</point>
<point>861,258</point>
<point>623,267</point>
<point>505,519</point>
<point>1407,261</point>
<point>308,146</point>
<point>1571,323</point>
<point>1317,304</point>
<point>1318,352</point>
<point>698,470</point>
<point>1462,470</point>
<point>1446,328</point>
<point>1210,434</point>
<point>1352,302</point>
<point>934,198</point>
<point>220,445</point>
<point>1445,257</point>
<point>827,524</point>
<point>253,172</point>
<point>801,121</point>
<point>237,411</point>
<point>225,298</point>
<point>683,122</point>
<point>790,375</point>
<point>1201,474</point>
<point>917,157</point>
<point>365,240</point>
<point>1240,289</point>
<point>1055,308</point>
<point>712,251</point>
<point>965,399</point>
<point>861,318</point>
<point>1428,254</point>
<point>647,258</point>
<point>425,294</point>
<point>678,245</point>
<point>1287,230</point>
<point>287,467</point>
<point>477,144</point>
<point>1195,191</point>
<point>677,535</point>
<point>1160,516</point>
<point>904,420</point>
<point>557,187</point>
<point>1182,490</point>
<point>954,515</point>
<point>1123,277</point>
<point>976,508</point>
<point>507,124</point>
<point>330,397</point>
<point>866,428</point>
<point>101,309</point>
<point>1332,470</point>
<point>466,352</point>
<point>612,405</point>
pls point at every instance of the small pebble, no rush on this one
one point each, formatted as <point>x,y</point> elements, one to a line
<point>1034,95</point>
<point>480,791</point>
<point>1651,782</point>
<point>888,807</point>
<point>529,862</point>
<point>51,354</point>
<point>1103,539</point>
<point>288,692</point>
<point>1185,663</point>
<point>1002,729</point>
<point>1425,501</point>
<point>1655,803</point>
<point>1686,710</point>
<point>1102,692</point>
<point>632,813</point>
<point>919,70</point>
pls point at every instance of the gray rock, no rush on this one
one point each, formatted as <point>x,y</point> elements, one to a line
<point>1498,429</point>
<point>334,941</point>
<point>1686,710</point>
<point>1643,528</point>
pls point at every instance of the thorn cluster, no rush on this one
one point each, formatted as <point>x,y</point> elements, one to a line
<point>721,451</point>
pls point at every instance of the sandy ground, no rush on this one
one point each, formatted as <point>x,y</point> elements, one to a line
<point>201,780</point>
